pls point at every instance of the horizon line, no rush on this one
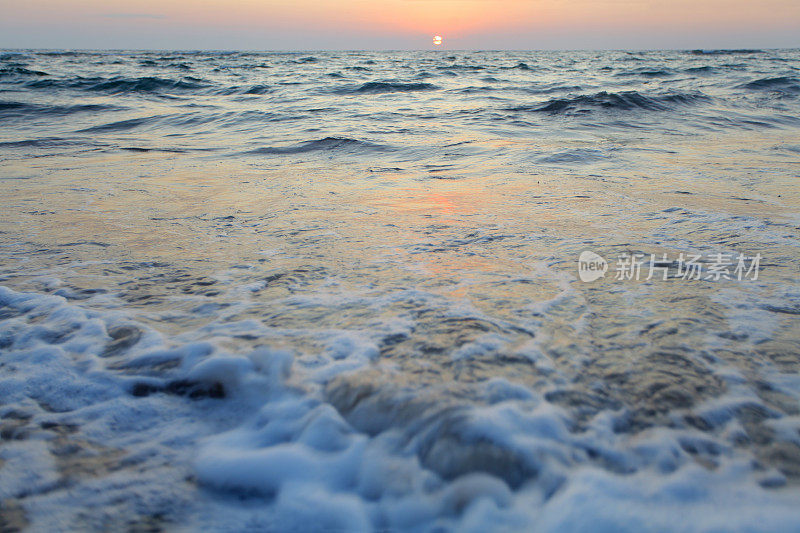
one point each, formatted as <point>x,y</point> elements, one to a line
<point>437,50</point>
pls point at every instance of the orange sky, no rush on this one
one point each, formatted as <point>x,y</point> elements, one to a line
<point>298,24</point>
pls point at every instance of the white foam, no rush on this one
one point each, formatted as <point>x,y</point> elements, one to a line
<point>274,454</point>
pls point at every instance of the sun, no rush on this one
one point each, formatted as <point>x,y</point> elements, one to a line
<point>437,40</point>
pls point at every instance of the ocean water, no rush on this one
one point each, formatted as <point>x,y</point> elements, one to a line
<point>341,291</point>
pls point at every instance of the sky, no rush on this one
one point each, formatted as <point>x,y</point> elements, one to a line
<point>398,24</point>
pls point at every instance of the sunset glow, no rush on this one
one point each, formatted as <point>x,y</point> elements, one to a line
<point>275,24</point>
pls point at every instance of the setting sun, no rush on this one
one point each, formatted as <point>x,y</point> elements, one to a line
<point>437,40</point>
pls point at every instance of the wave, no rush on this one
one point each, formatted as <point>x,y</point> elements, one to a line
<point>624,101</point>
<point>64,53</point>
<point>146,85</point>
<point>258,89</point>
<point>553,89</point>
<point>700,70</point>
<point>647,73</point>
<point>521,66</point>
<point>303,60</point>
<point>121,85</point>
<point>251,90</point>
<point>473,90</point>
<point>23,109</point>
<point>327,144</point>
<point>13,56</point>
<point>141,149</point>
<point>155,63</point>
<point>44,142</point>
<point>573,157</point>
<point>121,125</point>
<point>20,71</point>
<point>725,52</point>
<point>779,84</point>
<point>463,67</point>
<point>379,87</point>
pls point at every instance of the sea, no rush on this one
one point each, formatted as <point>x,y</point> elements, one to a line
<point>400,291</point>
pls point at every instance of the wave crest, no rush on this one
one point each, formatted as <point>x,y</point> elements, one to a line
<point>327,144</point>
<point>624,101</point>
<point>779,84</point>
<point>379,87</point>
<point>121,85</point>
